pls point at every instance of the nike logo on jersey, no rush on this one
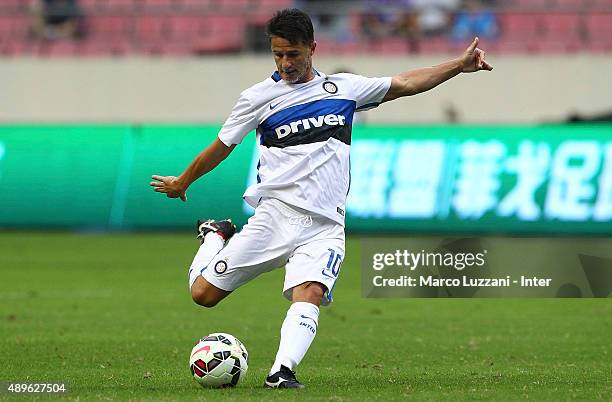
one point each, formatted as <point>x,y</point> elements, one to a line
<point>273,106</point>
<point>308,318</point>
<point>293,127</point>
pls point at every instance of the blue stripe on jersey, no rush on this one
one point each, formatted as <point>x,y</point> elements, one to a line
<point>322,107</point>
<point>315,121</point>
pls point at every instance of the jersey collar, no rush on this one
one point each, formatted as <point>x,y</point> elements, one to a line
<point>277,77</point>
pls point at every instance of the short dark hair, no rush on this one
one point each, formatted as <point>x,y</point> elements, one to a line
<point>291,24</point>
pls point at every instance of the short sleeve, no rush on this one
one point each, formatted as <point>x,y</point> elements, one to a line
<point>369,92</point>
<point>241,121</point>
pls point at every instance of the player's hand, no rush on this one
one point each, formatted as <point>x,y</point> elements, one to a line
<point>473,59</point>
<point>170,185</point>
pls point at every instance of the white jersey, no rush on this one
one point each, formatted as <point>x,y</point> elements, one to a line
<point>304,136</point>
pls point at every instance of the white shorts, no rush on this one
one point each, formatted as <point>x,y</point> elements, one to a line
<point>310,246</point>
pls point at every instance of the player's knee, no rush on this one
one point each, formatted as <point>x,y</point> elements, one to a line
<point>205,294</point>
<point>316,292</point>
<point>208,303</point>
<point>311,292</point>
<point>201,298</point>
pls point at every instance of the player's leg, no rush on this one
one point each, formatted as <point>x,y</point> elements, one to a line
<point>213,235</point>
<point>311,274</point>
<point>263,244</point>
<point>297,333</point>
<point>309,292</point>
<point>206,294</point>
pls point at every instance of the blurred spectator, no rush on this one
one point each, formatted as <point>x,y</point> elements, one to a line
<point>317,9</point>
<point>328,17</point>
<point>384,18</point>
<point>435,16</point>
<point>575,117</point>
<point>451,113</point>
<point>475,20</point>
<point>57,19</point>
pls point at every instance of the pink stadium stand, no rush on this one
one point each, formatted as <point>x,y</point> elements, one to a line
<point>91,6</point>
<point>604,5</point>
<point>562,26</point>
<point>238,4</point>
<point>151,28</point>
<point>519,32</point>
<point>160,4</point>
<point>561,32</point>
<point>390,46</point>
<point>531,4</point>
<point>103,48</point>
<point>5,28</point>
<point>177,49</point>
<point>599,31</point>
<point>109,27</point>
<point>58,48</point>
<point>213,5</point>
<point>437,45</point>
<point>13,5</point>
<point>520,26</point>
<point>14,48</point>
<point>512,46</point>
<point>328,46</point>
<point>14,27</point>
<point>276,4</point>
<point>121,4</point>
<point>572,5</point>
<point>221,33</point>
<point>183,27</point>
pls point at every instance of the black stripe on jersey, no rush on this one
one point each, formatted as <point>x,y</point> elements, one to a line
<point>310,122</point>
<point>317,134</point>
<point>367,106</point>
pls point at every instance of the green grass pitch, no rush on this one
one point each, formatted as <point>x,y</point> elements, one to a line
<point>111,316</point>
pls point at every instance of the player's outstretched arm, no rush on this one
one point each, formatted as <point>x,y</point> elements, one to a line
<point>207,160</point>
<point>424,79</point>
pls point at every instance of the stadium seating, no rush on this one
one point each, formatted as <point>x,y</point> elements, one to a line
<point>192,27</point>
<point>108,28</point>
<point>573,5</point>
<point>14,29</point>
<point>531,4</point>
<point>561,32</point>
<point>599,32</point>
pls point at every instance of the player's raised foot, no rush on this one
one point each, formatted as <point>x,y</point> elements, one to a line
<point>224,228</point>
<point>284,378</point>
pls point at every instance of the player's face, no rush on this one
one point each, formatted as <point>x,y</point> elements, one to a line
<point>293,61</point>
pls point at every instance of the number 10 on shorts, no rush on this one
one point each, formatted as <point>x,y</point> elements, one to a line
<point>333,264</point>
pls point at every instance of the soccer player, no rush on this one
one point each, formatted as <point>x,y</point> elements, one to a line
<point>303,122</point>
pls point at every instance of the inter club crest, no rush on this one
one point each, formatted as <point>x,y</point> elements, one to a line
<point>330,87</point>
<point>220,267</point>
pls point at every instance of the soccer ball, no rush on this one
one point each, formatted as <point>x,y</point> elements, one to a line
<point>218,360</point>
